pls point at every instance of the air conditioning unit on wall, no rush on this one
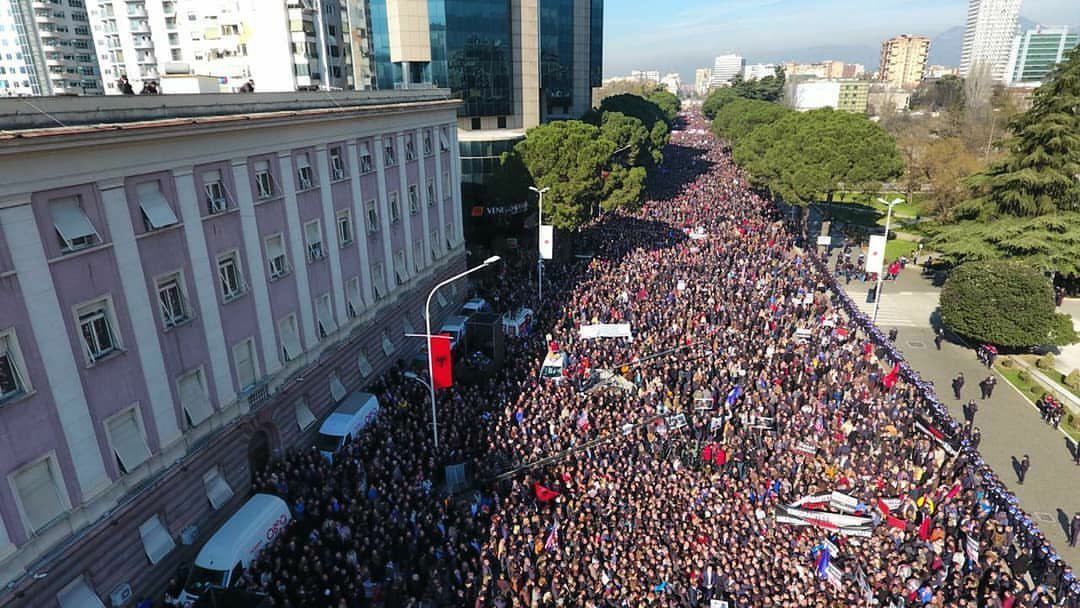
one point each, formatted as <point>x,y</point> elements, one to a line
<point>120,595</point>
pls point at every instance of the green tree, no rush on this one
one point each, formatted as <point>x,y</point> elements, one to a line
<point>804,154</point>
<point>647,112</point>
<point>631,137</point>
<point>1039,175</point>
<point>668,103</point>
<point>738,118</point>
<point>578,163</point>
<point>769,88</point>
<point>1047,242</point>
<point>717,99</point>
<point>941,94</point>
<point>1000,302</point>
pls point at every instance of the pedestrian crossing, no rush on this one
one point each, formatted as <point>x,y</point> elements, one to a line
<point>893,312</point>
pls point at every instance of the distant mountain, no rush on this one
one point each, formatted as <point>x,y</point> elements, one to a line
<point>946,47</point>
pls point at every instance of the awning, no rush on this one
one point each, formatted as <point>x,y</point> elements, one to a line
<point>606,330</point>
<point>302,161</point>
<point>127,441</point>
<point>155,208</point>
<point>290,340</point>
<point>78,595</point>
<point>70,220</point>
<point>326,316</point>
<point>262,166</point>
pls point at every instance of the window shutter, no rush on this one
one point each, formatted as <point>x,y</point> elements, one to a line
<point>39,494</point>
<point>218,490</point>
<point>157,542</point>
<point>127,441</point>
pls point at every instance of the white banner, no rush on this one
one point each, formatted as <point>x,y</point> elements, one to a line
<point>875,254</point>
<point>547,242</point>
<point>606,330</point>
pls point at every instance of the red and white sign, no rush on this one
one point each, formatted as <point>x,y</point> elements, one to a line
<point>547,242</point>
<point>875,254</point>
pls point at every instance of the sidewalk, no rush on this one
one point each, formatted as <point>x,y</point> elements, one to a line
<point>1010,424</point>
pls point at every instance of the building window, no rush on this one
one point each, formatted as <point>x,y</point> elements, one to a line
<point>40,492</point>
<point>12,369</point>
<point>72,225</point>
<point>428,151</point>
<point>275,256</point>
<point>304,417</point>
<point>387,345</point>
<point>395,208</point>
<point>194,398</point>
<point>313,238</point>
<point>449,236</point>
<point>290,338</point>
<point>303,173</point>
<point>127,439</point>
<point>366,164</point>
<point>232,282</point>
<point>502,122</point>
<point>401,270</point>
<point>218,490</point>
<point>419,258</point>
<point>475,124</point>
<point>448,188</point>
<point>364,365</point>
<point>444,140</point>
<point>96,328</point>
<point>156,540</point>
<point>414,199</point>
<point>388,152</point>
<point>324,316</point>
<point>431,192</point>
<point>353,297</point>
<point>215,192</point>
<point>372,216</point>
<point>156,211</point>
<point>244,360</point>
<point>78,594</point>
<point>344,228</point>
<point>264,184</point>
<point>410,148</point>
<point>378,280</point>
<point>172,301</point>
<point>436,251</point>
<point>337,166</point>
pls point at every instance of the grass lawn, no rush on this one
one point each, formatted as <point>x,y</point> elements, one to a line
<point>869,202</point>
<point>896,248</point>
<point>1033,390</point>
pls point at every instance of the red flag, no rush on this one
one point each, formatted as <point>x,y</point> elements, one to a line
<point>895,522</point>
<point>442,365</point>
<point>889,381</point>
<point>884,508</point>
<point>953,492</point>
<point>924,528</point>
<point>544,494</point>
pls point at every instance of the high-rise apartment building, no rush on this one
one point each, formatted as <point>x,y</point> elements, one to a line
<point>988,38</point>
<point>702,77</point>
<point>283,45</point>
<point>725,68</point>
<point>188,299</point>
<point>1035,54</point>
<point>46,48</point>
<point>903,60</point>
<point>672,82</point>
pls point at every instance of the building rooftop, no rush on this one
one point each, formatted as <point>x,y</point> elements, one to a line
<point>25,117</point>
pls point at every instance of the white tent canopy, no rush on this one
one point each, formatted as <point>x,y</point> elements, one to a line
<point>606,330</point>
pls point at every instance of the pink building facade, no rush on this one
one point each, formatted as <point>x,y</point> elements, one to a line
<point>182,298</point>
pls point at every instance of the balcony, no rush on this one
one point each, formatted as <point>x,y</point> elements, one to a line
<point>147,58</point>
<point>144,43</point>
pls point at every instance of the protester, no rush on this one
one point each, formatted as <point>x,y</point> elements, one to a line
<point>755,385</point>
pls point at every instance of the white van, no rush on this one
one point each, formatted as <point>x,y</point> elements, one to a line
<point>231,549</point>
<point>474,306</point>
<point>344,424</point>
<point>455,326</point>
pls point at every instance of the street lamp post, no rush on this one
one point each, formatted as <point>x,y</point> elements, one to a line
<point>539,254</point>
<point>428,337</point>
<point>881,273</point>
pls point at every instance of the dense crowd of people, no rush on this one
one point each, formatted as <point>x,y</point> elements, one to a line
<point>770,388</point>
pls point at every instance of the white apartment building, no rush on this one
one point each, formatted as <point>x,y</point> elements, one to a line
<point>46,49</point>
<point>725,68</point>
<point>283,45</point>
<point>757,71</point>
<point>672,82</point>
<point>652,76</point>
<point>702,77</point>
<point>988,39</point>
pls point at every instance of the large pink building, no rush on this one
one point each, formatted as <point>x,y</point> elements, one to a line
<point>186,288</point>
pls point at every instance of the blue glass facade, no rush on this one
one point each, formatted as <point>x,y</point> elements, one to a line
<point>596,44</point>
<point>556,56</point>
<point>477,54</point>
<point>385,76</point>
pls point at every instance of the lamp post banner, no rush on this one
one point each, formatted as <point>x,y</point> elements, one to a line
<point>875,254</point>
<point>547,242</point>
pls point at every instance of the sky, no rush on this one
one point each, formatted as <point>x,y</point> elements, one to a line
<point>681,35</point>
